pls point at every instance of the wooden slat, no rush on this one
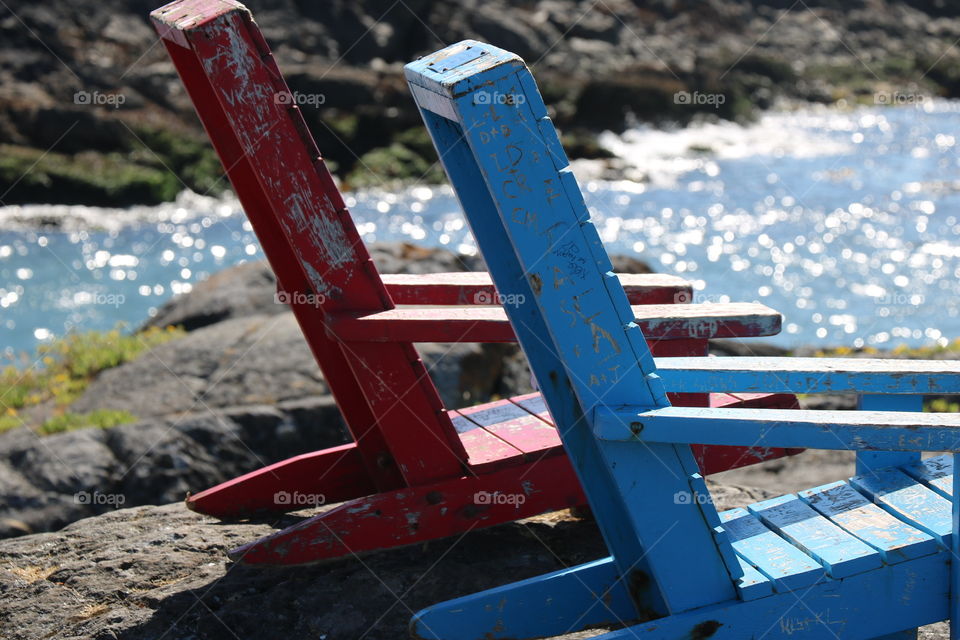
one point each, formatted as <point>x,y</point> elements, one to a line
<point>716,458</point>
<point>476,288</point>
<point>485,451</point>
<point>909,501</point>
<point>420,514</point>
<point>514,425</point>
<point>811,375</point>
<point>840,553</point>
<point>490,324</point>
<point>853,430</point>
<point>935,472</point>
<point>534,403</point>
<point>752,584</point>
<point>787,566</point>
<point>710,458</point>
<point>847,508</point>
<point>589,595</point>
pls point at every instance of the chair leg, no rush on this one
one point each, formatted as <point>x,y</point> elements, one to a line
<point>585,596</point>
<point>337,474</point>
<point>867,461</point>
<point>417,514</point>
<point>909,634</point>
<point>954,554</point>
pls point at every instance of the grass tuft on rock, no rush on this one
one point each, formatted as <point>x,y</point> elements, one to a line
<point>101,418</point>
<point>60,370</point>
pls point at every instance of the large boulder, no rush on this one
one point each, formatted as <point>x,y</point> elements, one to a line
<point>240,390</point>
<point>46,483</point>
<point>152,572</point>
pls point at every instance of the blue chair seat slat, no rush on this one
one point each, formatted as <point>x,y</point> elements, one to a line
<point>786,565</point>
<point>850,510</point>
<point>840,553</point>
<point>752,584</point>
<point>935,472</point>
<point>909,501</point>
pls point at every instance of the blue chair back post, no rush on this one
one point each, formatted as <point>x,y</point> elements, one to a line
<point>502,154</point>
<point>869,461</point>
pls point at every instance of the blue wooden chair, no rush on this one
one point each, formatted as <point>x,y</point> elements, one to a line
<point>865,558</point>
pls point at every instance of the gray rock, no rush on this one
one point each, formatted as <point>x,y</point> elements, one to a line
<point>260,359</point>
<point>151,572</point>
<point>69,463</point>
<point>244,290</point>
<point>745,348</point>
<point>161,461</point>
<point>46,483</point>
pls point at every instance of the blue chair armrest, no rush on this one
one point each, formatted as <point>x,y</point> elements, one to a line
<point>843,430</point>
<point>809,375</point>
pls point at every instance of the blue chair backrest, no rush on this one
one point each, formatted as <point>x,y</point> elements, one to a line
<point>504,159</point>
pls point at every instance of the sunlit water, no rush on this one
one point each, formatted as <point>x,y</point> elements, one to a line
<point>845,221</point>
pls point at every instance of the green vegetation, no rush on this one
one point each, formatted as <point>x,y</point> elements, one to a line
<point>937,404</point>
<point>410,156</point>
<point>941,405</point>
<point>950,351</point>
<point>149,166</point>
<point>102,418</point>
<point>186,160</point>
<point>31,175</point>
<point>60,371</point>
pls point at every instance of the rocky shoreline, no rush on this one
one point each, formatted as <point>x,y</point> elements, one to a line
<point>93,113</point>
<point>240,390</point>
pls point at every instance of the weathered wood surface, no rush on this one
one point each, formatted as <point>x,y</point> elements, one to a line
<point>490,324</point>
<point>337,474</point>
<point>786,566</point>
<point>846,507</point>
<point>420,514</point>
<point>839,552</point>
<point>811,375</point>
<point>476,288</point>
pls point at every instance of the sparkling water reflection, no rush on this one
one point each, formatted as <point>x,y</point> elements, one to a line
<point>845,221</point>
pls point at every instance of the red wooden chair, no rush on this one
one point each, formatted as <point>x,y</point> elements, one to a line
<point>415,470</point>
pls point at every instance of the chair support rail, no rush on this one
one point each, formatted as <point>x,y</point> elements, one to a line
<point>809,375</point>
<point>841,430</point>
